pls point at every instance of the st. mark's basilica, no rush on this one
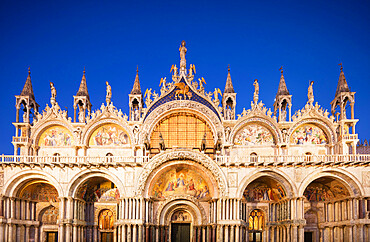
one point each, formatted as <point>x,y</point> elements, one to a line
<point>182,165</point>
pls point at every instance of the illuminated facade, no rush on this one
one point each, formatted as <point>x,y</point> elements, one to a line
<point>184,166</point>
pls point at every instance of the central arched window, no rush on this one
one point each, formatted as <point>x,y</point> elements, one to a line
<point>182,130</point>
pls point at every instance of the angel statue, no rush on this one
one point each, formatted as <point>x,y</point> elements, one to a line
<point>148,94</point>
<point>164,85</point>
<point>174,69</point>
<point>201,81</point>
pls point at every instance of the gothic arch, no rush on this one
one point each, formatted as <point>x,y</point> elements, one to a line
<point>319,123</point>
<point>13,184</point>
<point>83,176</point>
<point>260,121</point>
<point>192,107</point>
<point>194,156</point>
<point>281,177</point>
<point>91,128</point>
<point>349,181</point>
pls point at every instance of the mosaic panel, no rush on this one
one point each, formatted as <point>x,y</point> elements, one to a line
<point>181,180</point>
<point>308,134</point>
<point>39,192</point>
<point>109,135</point>
<point>99,190</point>
<point>254,134</point>
<point>56,136</point>
<point>263,190</point>
<point>321,191</point>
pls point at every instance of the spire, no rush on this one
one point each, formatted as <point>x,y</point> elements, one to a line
<point>136,88</point>
<point>342,83</point>
<point>27,89</point>
<point>82,91</point>
<point>282,89</point>
<point>229,84</point>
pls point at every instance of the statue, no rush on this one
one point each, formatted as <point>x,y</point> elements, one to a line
<point>164,85</point>
<point>136,114</point>
<point>192,69</point>
<point>136,134</point>
<point>174,69</point>
<point>81,116</point>
<point>228,112</point>
<point>182,50</point>
<point>256,91</point>
<point>148,94</point>
<point>201,81</point>
<point>203,145</point>
<point>310,93</point>
<point>218,142</point>
<point>109,93</point>
<point>162,146</point>
<point>146,142</point>
<point>215,95</point>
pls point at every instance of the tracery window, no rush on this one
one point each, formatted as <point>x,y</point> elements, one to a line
<point>182,130</point>
<point>106,220</point>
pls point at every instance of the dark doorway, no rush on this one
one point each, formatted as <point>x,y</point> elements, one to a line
<point>51,236</point>
<point>106,236</point>
<point>180,232</point>
<point>308,236</point>
<point>255,236</point>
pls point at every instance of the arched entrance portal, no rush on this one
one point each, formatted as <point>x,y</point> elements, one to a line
<point>327,200</point>
<point>181,221</point>
<point>96,206</point>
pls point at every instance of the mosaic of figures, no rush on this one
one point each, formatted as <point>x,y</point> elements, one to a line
<point>109,135</point>
<point>308,134</point>
<point>40,192</point>
<point>319,192</point>
<point>181,216</point>
<point>99,191</point>
<point>264,191</point>
<point>254,134</point>
<point>181,180</point>
<point>56,136</point>
<point>50,215</point>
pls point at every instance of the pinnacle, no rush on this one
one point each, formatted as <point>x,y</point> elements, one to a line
<point>229,84</point>
<point>342,83</point>
<point>282,89</point>
<point>82,90</point>
<point>27,89</point>
<point>136,89</point>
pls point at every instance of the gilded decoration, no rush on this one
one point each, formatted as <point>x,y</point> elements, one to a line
<point>109,135</point>
<point>308,134</point>
<point>39,192</point>
<point>181,216</point>
<point>264,189</point>
<point>99,190</point>
<point>254,134</point>
<point>325,189</point>
<point>50,215</point>
<point>182,130</point>
<point>56,136</point>
<point>181,180</point>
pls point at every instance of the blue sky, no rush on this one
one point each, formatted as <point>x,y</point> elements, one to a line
<point>110,38</point>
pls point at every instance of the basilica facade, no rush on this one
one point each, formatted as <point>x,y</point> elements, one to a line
<point>182,165</point>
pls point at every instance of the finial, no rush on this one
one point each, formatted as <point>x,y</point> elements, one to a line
<point>29,70</point>
<point>84,70</point>
<point>137,69</point>
<point>228,67</point>
<point>281,69</point>
<point>341,66</point>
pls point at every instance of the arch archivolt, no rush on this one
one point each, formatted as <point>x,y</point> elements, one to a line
<point>352,184</point>
<point>276,174</point>
<point>16,182</point>
<point>83,176</point>
<point>259,121</point>
<point>89,131</point>
<point>186,203</point>
<point>178,106</point>
<point>153,167</point>
<point>319,123</point>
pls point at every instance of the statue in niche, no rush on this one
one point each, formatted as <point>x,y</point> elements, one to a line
<point>218,142</point>
<point>81,116</point>
<point>182,50</point>
<point>162,146</point>
<point>146,142</point>
<point>203,145</point>
<point>310,93</point>
<point>228,112</point>
<point>109,93</point>
<point>136,114</point>
<point>136,134</point>
<point>283,115</point>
